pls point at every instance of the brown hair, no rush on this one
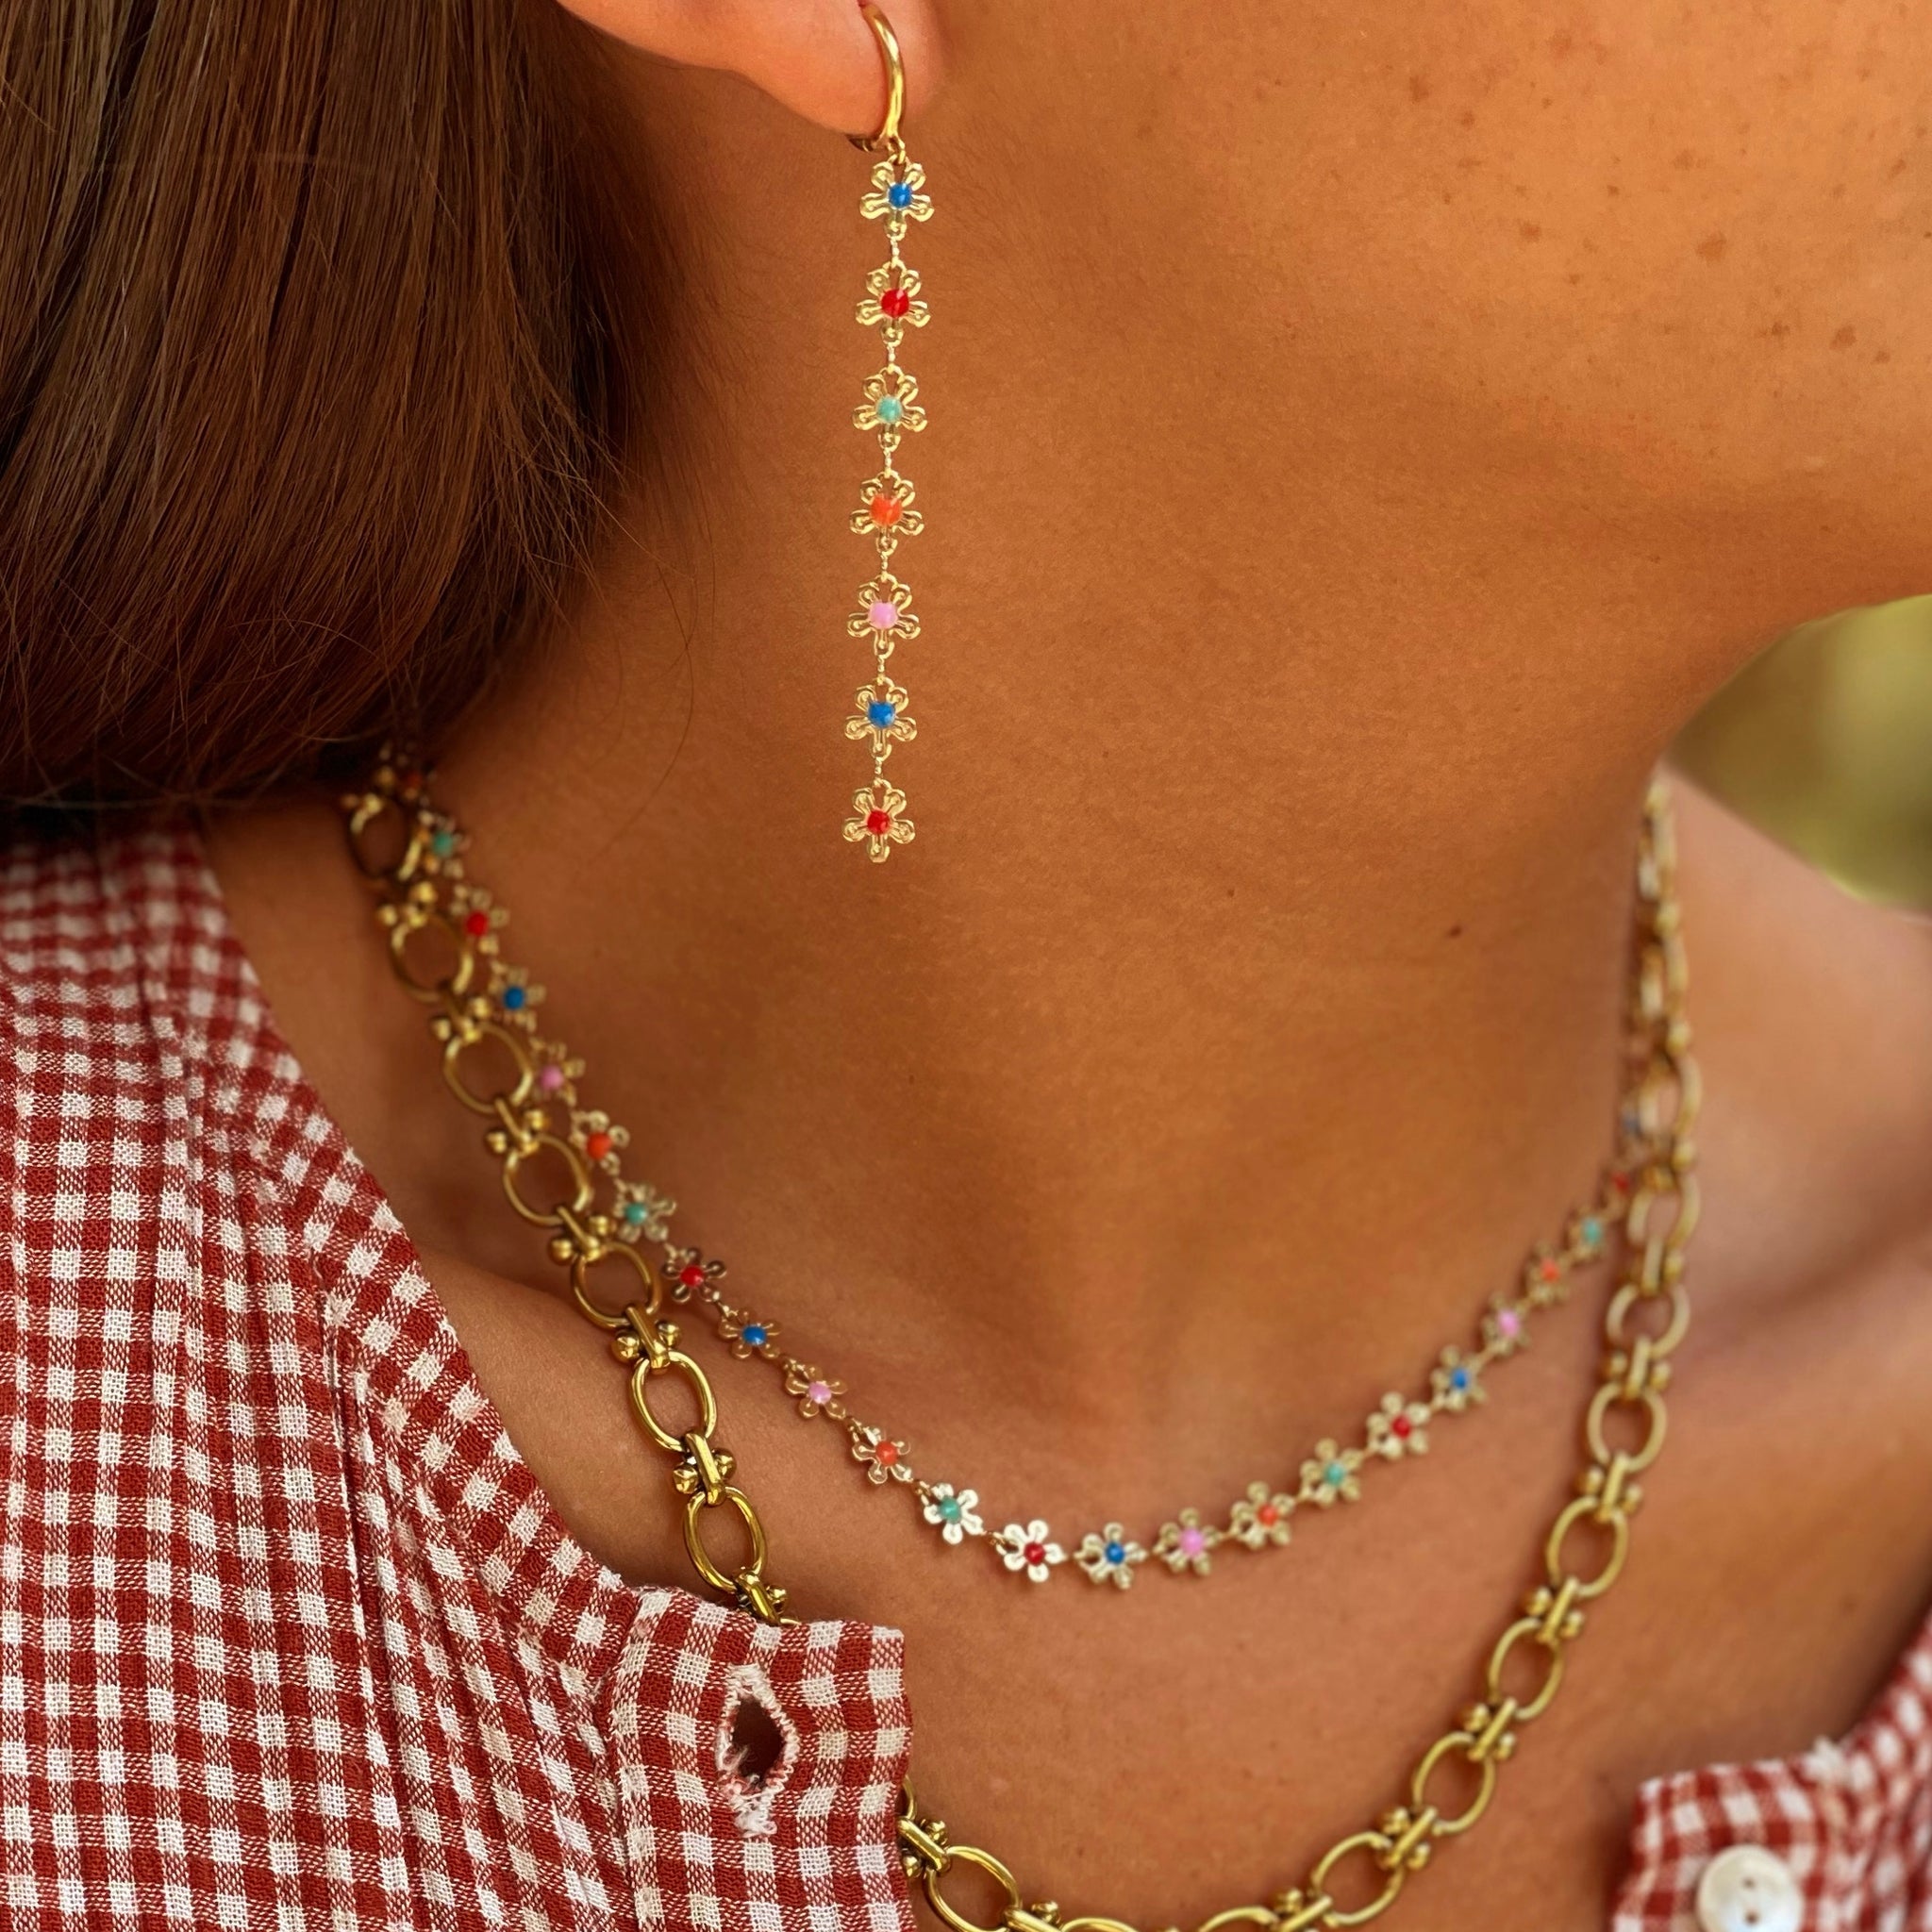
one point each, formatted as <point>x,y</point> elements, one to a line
<point>307,394</point>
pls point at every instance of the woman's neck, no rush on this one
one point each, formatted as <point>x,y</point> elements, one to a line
<point>1255,973</point>
<point>1255,986</point>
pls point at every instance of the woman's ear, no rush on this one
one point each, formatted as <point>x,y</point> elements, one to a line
<point>816,56</point>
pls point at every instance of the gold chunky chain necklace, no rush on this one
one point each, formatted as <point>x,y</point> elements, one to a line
<point>481,1006</point>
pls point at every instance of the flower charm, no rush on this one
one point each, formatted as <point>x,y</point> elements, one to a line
<point>891,299</point>
<point>1029,1547</point>
<point>747,1335</point>
<point>397,775</point>
<point>1328,1474</point>
<point>955,1512</point>
<point>884,613</point>
<point>1399,1428</point>
<point>898,197</point>
<point>516,998</point>
<point>1187,1545</point>
<point>1108,1557</point>
<point>885,508</point>
<point>881,716</point>
<point>642,1211</point>
<point>1545,1279</point>
<point>442,846</point>
<point>1457,1382</point>
<point>817,1394</point>
<point>1261,1518</point>
<point>687,1273</point>
<point>1587,1237</point>
<point>599,1137</point>
<point>1504,1331</point>
<point>885,1459</point>
<point>476,917</point>
<point>881,820</point>
<point>558,1074</point>
<point>888,403</point>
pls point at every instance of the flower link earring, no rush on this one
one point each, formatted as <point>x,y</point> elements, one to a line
<point>884,615</point>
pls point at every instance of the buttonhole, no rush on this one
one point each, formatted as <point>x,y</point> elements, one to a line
<point>756,1750</point>
<point>757,1744</point>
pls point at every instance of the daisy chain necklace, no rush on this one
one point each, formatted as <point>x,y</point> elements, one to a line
<point>504,1002</point>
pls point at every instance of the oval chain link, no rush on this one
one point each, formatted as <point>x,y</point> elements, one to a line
<point>1661,1217</point>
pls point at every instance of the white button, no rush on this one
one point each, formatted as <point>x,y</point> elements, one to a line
<point>1749,1890</point>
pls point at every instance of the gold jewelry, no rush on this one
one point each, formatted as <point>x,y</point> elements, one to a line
<point>1184,1544</point>
<point>422,893</point>
<point>894,65</point>
<point>883,612</point>
<point>1187,1543</point>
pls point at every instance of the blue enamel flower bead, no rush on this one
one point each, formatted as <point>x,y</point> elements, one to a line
<point>755,1334</point>
<point>881,714</point>
<point>899,194</point>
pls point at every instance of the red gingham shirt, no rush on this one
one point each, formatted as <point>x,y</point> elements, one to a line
<point>289,1636</point>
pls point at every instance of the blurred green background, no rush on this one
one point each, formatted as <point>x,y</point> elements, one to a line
<point>1825,741</point>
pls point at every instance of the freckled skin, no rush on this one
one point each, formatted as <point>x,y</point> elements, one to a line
<point>1703,159</point>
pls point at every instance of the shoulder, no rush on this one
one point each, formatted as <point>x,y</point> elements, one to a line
<point>1813,1016</point>
<point>115,965</point>
<point>1797,1521</point>
<point>129,1028</point>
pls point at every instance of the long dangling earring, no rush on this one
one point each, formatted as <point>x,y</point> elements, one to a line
<point>884,616</point>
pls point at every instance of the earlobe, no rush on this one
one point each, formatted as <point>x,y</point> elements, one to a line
<point>816,56</point>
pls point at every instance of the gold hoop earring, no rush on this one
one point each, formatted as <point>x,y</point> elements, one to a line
<point>884,616</point>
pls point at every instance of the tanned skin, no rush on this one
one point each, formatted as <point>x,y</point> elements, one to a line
<point>1358,443</point>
